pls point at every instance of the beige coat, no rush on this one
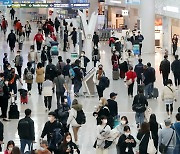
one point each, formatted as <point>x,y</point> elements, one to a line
<point>40,75</point>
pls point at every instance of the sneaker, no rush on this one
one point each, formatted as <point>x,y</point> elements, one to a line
<point>4,119</point>
<point>76,95</point>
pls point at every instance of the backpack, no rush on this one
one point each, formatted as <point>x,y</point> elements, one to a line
<point>81,118</point>
<point>72,73</point>
<point>104,82</point>
<point>56,139</point>
<point>1,88</point>
<point>29,75</point>
<point>23,128</point>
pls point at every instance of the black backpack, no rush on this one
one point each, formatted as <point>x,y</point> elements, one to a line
<point>81,118</point>
<point>104,82</point>
<point>23,128</point>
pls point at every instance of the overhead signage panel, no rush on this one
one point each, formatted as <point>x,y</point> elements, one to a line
<point>133,2</point>
<point>49,5</point>
<point>5,2</point>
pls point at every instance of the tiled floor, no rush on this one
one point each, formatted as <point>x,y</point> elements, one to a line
<point>88,131</point>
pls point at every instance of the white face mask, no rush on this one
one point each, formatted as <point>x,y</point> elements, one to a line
<point>82,54</point>
<point>65,100</point>
<point>68,140</point>
<point>127,134</point>
<point>41,148</point>
<point>9,68</point>
<point>104,121</point>
<point>10,148</point>
<point>6,83</point>
<point>123,122</point>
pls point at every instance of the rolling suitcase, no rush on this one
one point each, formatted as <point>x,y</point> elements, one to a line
<point>23,96</point>
<point>115,75</point>
<point>155,93</point>
<point>54,51</point>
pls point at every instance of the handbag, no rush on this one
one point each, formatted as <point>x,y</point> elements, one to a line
<point>151,148</point>
<point>163,148</point>
<point>130,81</point>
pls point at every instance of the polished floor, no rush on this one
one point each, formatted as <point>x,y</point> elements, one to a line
<point>87,133</point>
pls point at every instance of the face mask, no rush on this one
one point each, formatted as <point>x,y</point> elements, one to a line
<point>82,54</point>
<point>6,83</point>
<point>127,134</point>
<point>68,140</point>
<point>104,121</point>
<point>65,100</point>
<point>10,149</point>
<point>41,148</point>
<point>0,79</point>
<point>123,122</point>
<point>9,68</point>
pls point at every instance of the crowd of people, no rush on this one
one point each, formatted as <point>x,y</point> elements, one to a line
<point>112,129</point>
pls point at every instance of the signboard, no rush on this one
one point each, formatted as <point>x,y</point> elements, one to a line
<point>5,2</point>
<point>49,5</point>
<point>133,2</point>
<point>125,12</point>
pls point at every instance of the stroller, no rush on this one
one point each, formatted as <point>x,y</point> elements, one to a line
<point>23,96</point>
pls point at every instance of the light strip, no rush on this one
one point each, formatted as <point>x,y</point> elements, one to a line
<point>114,1</point>
<point>171,9</point>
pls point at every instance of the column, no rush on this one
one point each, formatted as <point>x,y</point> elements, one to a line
<point>93,7</point>
<point>147,14</point>
<point>166,39</point>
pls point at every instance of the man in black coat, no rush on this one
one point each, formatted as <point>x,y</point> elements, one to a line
<point>164,68</point>
<point>26,131</point>
<point>95,39</point>
<point>139,70</point>
<point>112,105</point>
<point>175,67</point>
<point>12,40</point>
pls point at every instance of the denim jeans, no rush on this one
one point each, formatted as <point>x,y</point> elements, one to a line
<point>139,118</point>
<point>176,149</point>
<point>170,150</point>
<point>23,145</point>
<point>77,86</point>
<point>148,90</point>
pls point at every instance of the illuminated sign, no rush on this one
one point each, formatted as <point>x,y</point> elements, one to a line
<point>125,12</point>
<point>133,2</point>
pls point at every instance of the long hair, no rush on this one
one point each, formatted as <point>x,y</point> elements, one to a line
<point>145,128</point>
<point>64,144</point>
<point>10,143</point>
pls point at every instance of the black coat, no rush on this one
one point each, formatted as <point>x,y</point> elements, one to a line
<point>113,107</point>
<point>1,131</point>
<point>139,70</point>
<point>144,142</point>
<point>70,145</point>
<point>154,131</point>
<point>122,145</point>
<point>175,66</point>
<point>86,60</point>
<point>165,66</point>
<point>95,38</point>
<point>11,39</point>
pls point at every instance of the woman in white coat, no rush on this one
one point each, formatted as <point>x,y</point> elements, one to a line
<point>72,119</point>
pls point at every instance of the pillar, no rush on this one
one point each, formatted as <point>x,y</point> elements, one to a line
<point>93,8</point>
<point>147,15</point>
<point>166,39</point>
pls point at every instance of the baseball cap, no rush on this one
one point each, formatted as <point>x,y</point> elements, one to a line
<point>167,122</point>
<point>113,94</point>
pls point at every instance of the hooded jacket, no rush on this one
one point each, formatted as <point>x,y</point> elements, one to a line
<point>73,114</point>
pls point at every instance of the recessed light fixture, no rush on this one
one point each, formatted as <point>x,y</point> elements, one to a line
<point>171,9</point>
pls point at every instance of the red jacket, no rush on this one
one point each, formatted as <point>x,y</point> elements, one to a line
<point>131,75</point>
<point>38,37</point>
<point>54,37</point>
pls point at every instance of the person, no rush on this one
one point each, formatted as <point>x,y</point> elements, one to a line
<point>40,77</point>
<point>48,40</point>
<point>4,25</point>
<point>12,12</point>
<point>44,56</point>
<point>72,119</point>
<point>68,78</point>
<point>154,127</point>
<point>1,135</point>
<point>139,71</point>
<point>120,130</point>
<point>83,62</point>
<point>32,56</point>
<point>122,43</point>
<point>126,142</point>
<point>68,146</point>
<point>56,24</point>
<point>6,96</point>
<point>99,74</point>
<point>140,39</point>
<point>103,132</point>
<point>78,78</point>
<point>134,38</point>
<point>118,46</point>
<point>9,147</point>
<point>96,56</point>
<point>27,29</point>
<point>39,39</point>
<point>26,131</point>
<point>174,44</point>
<point>65,40</point>
<point>130,75</point>
<point>51,70</point>
<point>16,150</point>
<point>74,37</point>
<point>13,82</point>
<point>143,136</point>
<point>169,96</point>
<point>141,103</point>
<point>167,135</point>
<point>95,39</point>
<point>18,63</point>
<point>44,148</point>
<point>5,61</point>
<point>112,105</point>
<point>175,67</point>
<point>164,68</point>
<point>60,65</point>
<point>63,114</point>
<point>61,87</point>
<point>103,110</point>
<point>50,126</point>
<point>7,72</point>
<point>115,58</point>
<point>12,40</point>
<point>82,36</point>
<point>123,69</point>
<point>176,127</point>
<point>47,93</point>
<point>28,76</point>
<point>21,39</point>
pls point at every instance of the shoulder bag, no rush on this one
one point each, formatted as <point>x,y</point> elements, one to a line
<point>151,148</point>
<point>163,148</point>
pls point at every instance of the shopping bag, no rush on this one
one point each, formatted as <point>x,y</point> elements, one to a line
<point>69,100</point>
